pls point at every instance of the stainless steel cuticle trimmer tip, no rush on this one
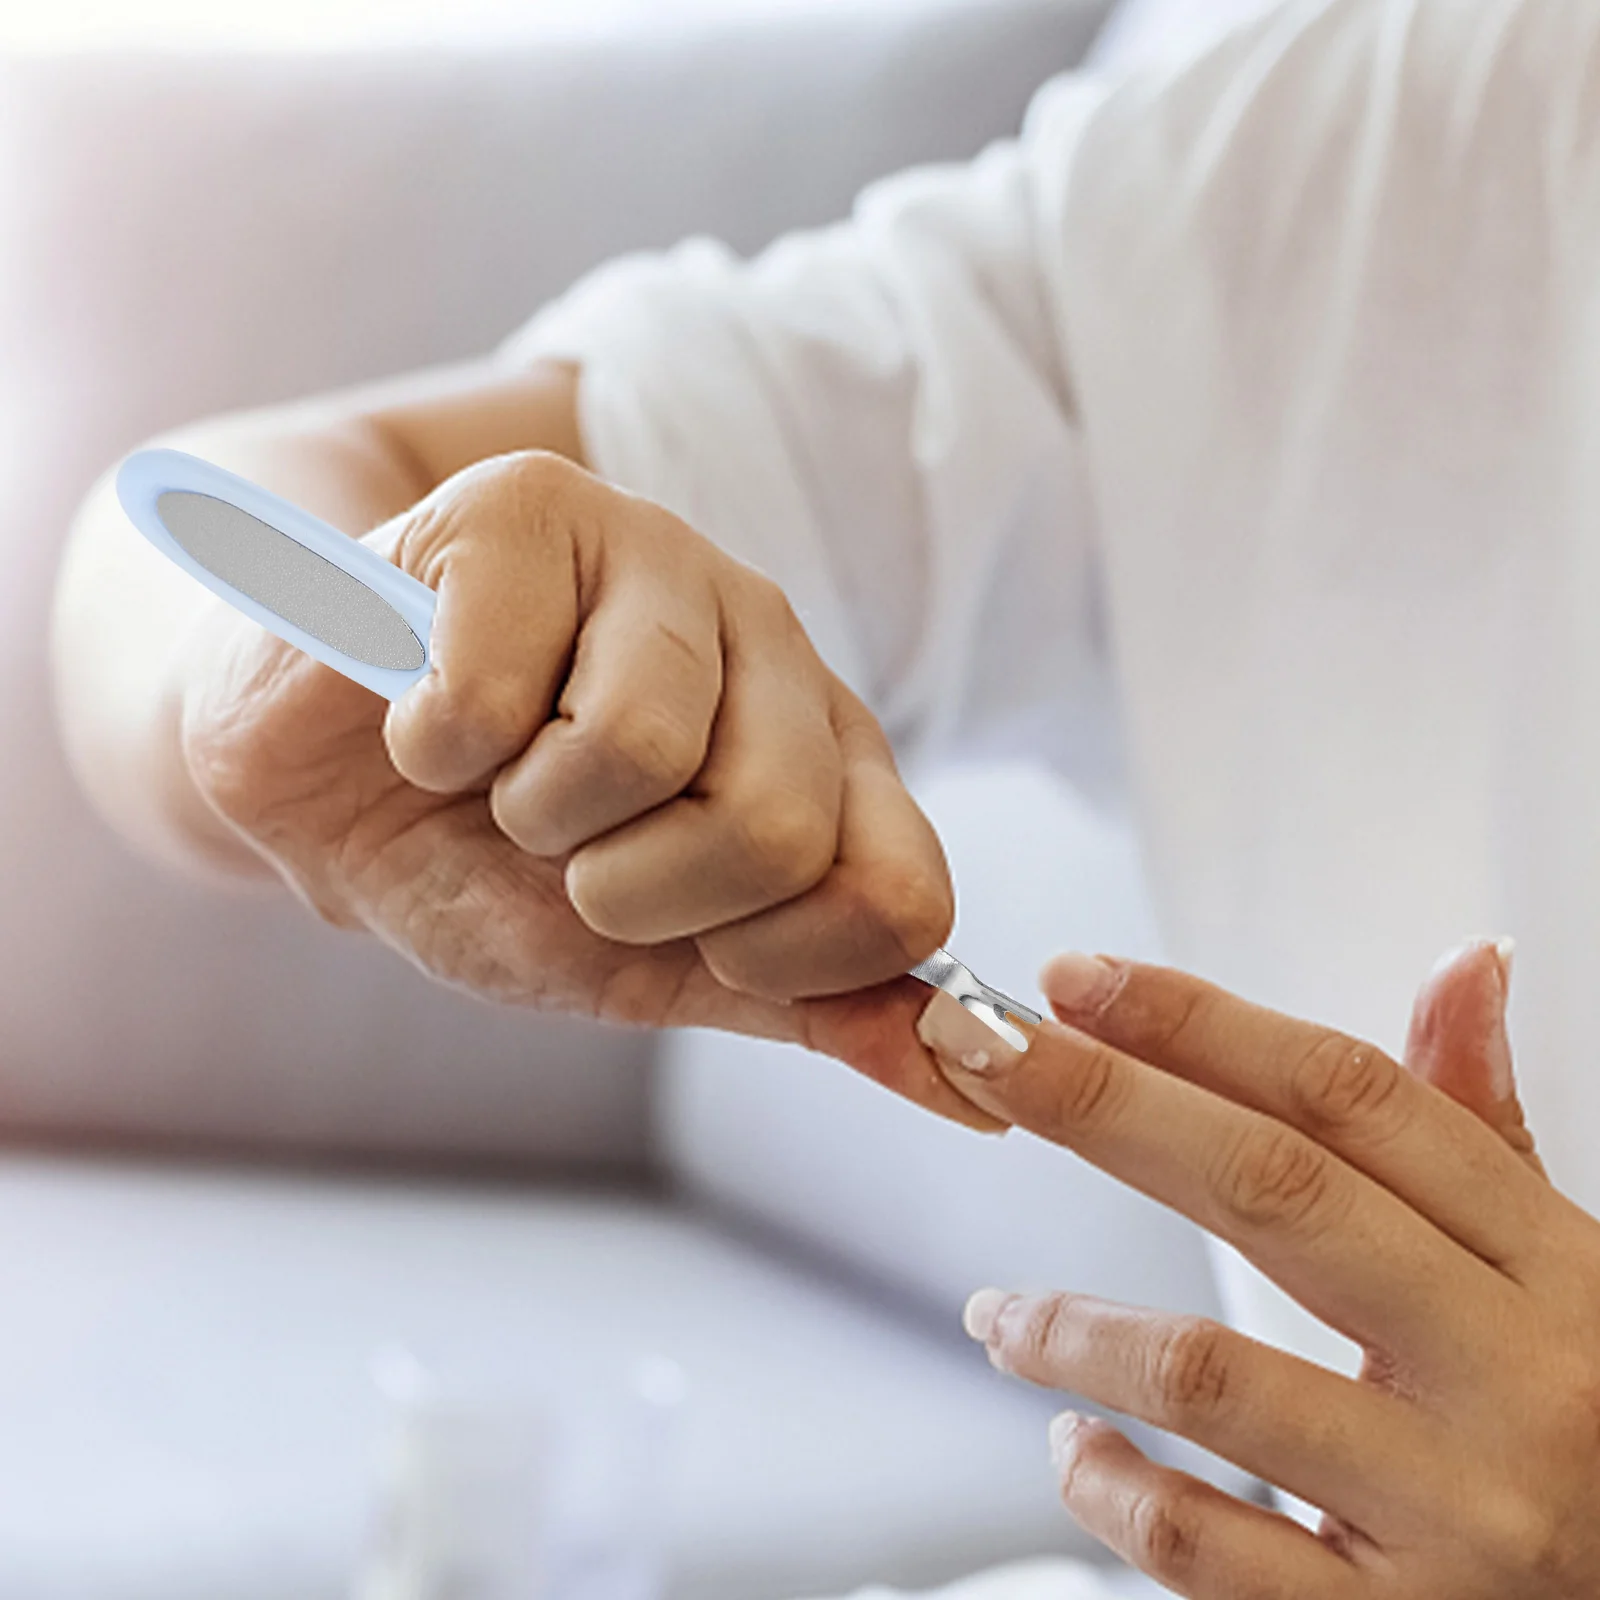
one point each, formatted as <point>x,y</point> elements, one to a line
<point>998,1011</point>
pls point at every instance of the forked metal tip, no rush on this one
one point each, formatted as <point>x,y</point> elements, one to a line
<point>998,1011</point>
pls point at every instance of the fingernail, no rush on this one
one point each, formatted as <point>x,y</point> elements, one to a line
<point>1506,950</point>
<point>1063,1430</point>
<point>1497,1050</point>
<point>968,1052</point>
<point>1078,983</point>
<point>960,1040</point>
<point>983,1312</point>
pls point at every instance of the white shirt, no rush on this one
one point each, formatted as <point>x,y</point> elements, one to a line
<point>1232,440</point>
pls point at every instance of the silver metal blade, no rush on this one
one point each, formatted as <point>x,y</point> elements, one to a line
<point>997,1010</point>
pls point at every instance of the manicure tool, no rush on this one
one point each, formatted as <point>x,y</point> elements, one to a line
<point>344,604</point>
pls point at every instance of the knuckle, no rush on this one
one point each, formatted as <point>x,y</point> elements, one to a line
<point>528,490</point>
<point>1340,1081</point>
<point>786,839</point>
<point>651,753</point>
<point>532,491</point>
<point>1090,1448</point>
<point>1164,1535</point>
<point>1034,1343</point>
<point>540,475</point>
<point>1522,1535</point>
<point>1191,1371</point>
<point>768,605</point>
<point>1190,1015</point>
<point>769,614</point>
<point>696,656</point>
<point>1274,1177</point>
<point>1089,1095</point>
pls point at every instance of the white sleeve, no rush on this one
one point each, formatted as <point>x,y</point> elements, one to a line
<point>877,416</point>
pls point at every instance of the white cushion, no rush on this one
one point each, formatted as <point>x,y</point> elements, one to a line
<point>186,1412</point>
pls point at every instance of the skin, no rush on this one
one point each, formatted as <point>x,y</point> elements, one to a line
<point>1405,1208</point>
<point>630,789</point>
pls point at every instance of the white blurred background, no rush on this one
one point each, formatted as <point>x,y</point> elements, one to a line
<point>361,24</point>
<point>240,1154</point>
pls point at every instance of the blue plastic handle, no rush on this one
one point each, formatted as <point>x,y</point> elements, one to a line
<point>148,474</point>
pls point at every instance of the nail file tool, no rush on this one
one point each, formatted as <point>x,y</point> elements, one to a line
<point>344,604</point>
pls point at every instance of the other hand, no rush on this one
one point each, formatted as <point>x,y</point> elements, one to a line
<point>629,788</point>
<point>1404,1208</point>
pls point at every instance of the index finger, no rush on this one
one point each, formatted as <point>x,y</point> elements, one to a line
<point>1344,1093</point>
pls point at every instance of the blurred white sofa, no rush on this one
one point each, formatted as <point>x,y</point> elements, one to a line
<point>197,1255</point>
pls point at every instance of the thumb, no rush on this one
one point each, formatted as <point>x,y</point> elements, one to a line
<point>1459,1043</point>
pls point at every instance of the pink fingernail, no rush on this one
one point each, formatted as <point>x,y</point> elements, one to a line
<point>1505,949</point>
<point>983,1312</point>
<point>1063,1430</point>
<point>972,1057</point>
<point>1497,1049</point>
<point>1079,983</point>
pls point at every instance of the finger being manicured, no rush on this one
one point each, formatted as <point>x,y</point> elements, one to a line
<point>874,1032</point>
<point>1349,1250</point>
<point>1352,1450</point>
<point>1342,1092</point>
<point>1191,1538</point>
<point>1458,1041</point>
